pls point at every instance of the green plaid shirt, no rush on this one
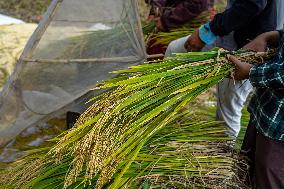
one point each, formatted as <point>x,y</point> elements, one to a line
<point>267,104</point>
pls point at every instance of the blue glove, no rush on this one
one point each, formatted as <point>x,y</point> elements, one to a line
<point>206,35</point>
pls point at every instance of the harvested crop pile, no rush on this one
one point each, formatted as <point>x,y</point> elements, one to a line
<point>132,132</point>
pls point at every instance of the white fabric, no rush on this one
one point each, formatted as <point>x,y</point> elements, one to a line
<point>6,20</point>
<point>176,46</point>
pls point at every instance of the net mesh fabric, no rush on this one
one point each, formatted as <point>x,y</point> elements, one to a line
<point>76,47</point>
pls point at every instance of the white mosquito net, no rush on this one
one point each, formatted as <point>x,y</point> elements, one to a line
<point>75,47</point>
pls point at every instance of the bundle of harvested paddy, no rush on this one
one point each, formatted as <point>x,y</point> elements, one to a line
<point>109,137</point>
<point>164,38</point>
<point>181,155</point>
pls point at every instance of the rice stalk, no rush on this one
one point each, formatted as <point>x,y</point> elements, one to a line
<point>106,140</point>
<point>181,152</point>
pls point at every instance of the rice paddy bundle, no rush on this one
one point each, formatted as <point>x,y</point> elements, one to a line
<point>164,38</point>
<point>184,154</point>
<point>117,130</point>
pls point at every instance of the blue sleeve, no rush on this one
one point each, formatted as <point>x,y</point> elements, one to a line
<point>239,15</point>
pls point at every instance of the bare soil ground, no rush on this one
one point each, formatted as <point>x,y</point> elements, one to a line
<point>27,10</point>
<point>33,10</point>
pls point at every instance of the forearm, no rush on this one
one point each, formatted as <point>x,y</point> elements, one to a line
<point>272,38</point>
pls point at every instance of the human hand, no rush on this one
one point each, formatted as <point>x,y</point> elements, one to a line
<point>242,69</point>
<point>159,24</point>
<point>259,44</point>
<point>194,43</point>
<point>151,18</point>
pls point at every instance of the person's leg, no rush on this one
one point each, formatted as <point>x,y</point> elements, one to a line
<point>269,163</point>
<point>231,96</point>
<point>176,46</point>
<point>247,151</point>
